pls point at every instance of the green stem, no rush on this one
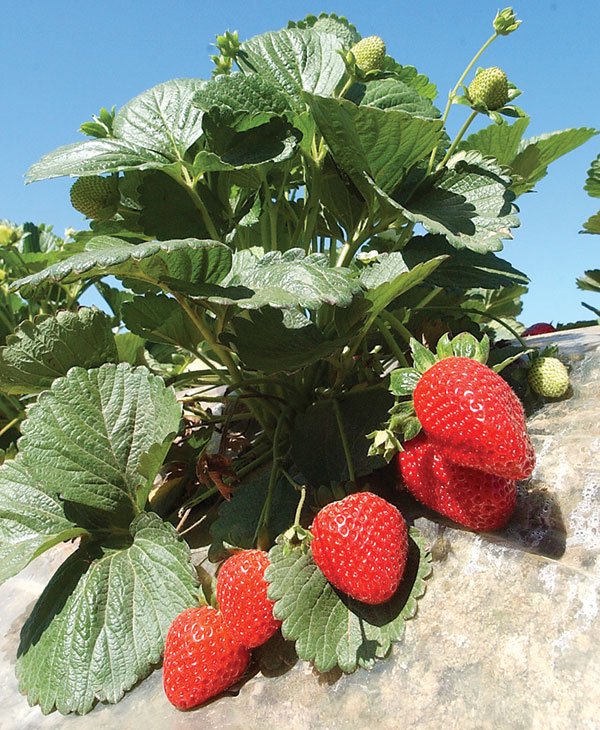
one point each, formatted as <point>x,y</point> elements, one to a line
<point>428,297</point>
<point>235,375</point>
<point>367,231</point>
<point>298,514</point>
<point>198,202</point>
<point>513,332</point>
<point>454,91</point>
<point>266,510</point>
<point>313,202</point>
<point>458,138</point>
<point>207,336</point>
<point>344,439</point>
<point>259,461</point>
<point>397,325</point>
<point>391,342</point>
<point>10,424</point>
<point>346,87</point>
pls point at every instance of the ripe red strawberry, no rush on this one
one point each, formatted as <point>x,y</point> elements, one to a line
<point>242,597</point>
<point>473,414</point>
<point>473,498</point>
<point>540,328</point>
<point>360,543</point>
<point>202,659</point>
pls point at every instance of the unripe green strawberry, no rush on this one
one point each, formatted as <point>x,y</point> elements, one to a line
<point>548,377</point>
<point>96,197</point>
<point>369,53</point>
<point>489,88</point>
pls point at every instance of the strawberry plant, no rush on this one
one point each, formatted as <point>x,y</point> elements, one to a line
<point>294,238</point>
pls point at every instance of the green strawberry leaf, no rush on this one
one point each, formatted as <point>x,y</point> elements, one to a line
<point>592,184</point>
<point>317,447</point>
<point>45,349</point>
<point>131,348</point>
<point>295,60</point>
<point>239,92</point>
<point>390,278</point>
<point>95,157</point>
<point>100,625</point>
<point>159,318</point>
<point>392,93</point>
<point>87,437</point>
<point>592,224</point>
<point>410,76</point>
<point>373,144</point>
<point>238,519</point>
<point>535,154</point>
<point>403,381</point>
<point>153,130</point>
<point>289,279</point>
<point>329,628</point>
<point>167,210</point>
<point>273,141</point>
<point>462,269</point>
<point>498,140</point>
<point>338,25</point>
<point>31,520</point>
<point>471,204</point>
<point>264,342</point>
<point>590,281</point>
<point>162,119</point>
<point>188,259</point>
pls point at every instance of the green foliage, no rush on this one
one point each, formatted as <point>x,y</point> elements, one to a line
<point>592,186</point>
<point>45,349</point>
<point>329,628</point>
<point>100,625</point>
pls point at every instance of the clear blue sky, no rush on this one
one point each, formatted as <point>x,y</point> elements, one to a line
<point>62,61</point>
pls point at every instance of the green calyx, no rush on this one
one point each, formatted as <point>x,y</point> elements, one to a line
<point>548,377</point>
<point>506,21</point>
<point>369,53</point>
<point>489,89</point>
<point>95,196</point>
<point>403,424</point>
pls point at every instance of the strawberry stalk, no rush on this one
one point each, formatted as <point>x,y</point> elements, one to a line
<point>262,526</point>
<point>498,31</point>
<point>344,440</point>
<point>391,342</point>
<point>458,138</point>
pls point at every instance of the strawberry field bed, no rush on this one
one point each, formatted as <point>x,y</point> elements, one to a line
<point>507,622</point>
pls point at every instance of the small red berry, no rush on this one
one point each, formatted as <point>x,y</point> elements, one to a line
<point>360,544</point>
<point>473,498</point>
<point>242,598</point>
<point>540,328</point>
<point>202,659</point>
<point>471,413</point>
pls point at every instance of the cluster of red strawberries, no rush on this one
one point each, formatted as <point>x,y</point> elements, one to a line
<point>359,543</point>
<point>464,463</point>
<point>473,446</point>
<point>206,650</point>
